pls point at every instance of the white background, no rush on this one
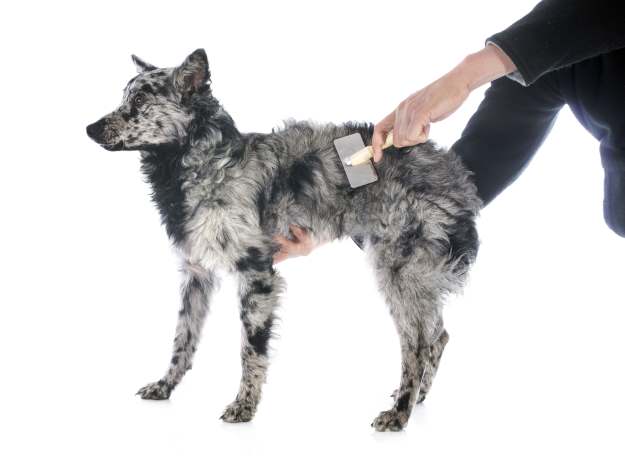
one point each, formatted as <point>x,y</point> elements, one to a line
<point>89,285</point>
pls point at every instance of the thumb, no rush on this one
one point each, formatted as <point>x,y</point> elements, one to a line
<point>380,132</point>
<point>376,143</point>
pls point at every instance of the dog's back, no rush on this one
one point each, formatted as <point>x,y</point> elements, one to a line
<point>307,186</point>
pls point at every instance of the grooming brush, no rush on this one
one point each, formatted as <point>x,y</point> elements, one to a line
<point>356,158</point>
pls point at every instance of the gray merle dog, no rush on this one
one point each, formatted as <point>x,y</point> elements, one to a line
<point>223,196</point>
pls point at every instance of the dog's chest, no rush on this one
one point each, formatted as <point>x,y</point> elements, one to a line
<point>218,232</point>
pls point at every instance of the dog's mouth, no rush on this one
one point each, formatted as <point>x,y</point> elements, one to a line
<point>114,147</point>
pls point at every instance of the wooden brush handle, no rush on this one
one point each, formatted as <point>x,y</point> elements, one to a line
<point>389,141</point>
<point>366,154</point>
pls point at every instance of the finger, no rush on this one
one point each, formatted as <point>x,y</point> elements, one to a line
<point>379,135</point>
<point>376,144</point>
<point>279,257</point>
<point>398,128</point>
<point>399,139</point>
<point>299,233</point>
<point>403,121</point>
<point>425,134</point>
<point>378,141</point>
<point>386,124</point>
<point>417,133</point>
<point>280,239</point>
<point>285,243</point>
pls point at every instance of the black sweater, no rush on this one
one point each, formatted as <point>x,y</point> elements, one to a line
<point>558,33</point>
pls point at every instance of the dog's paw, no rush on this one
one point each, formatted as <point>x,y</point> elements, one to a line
<point>390,420</point>
<point>238,412</point>
<point>155,391</point>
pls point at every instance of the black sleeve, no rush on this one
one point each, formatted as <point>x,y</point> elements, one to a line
<point>558,33</point>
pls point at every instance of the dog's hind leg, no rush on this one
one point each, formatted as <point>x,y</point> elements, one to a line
<point>412,290</point>
<point>196,291</point>
<point>414,366</point>
<point>259,288</point>
<point>435,354</point>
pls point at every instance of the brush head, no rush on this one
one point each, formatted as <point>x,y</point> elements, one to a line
<point>358,174</point>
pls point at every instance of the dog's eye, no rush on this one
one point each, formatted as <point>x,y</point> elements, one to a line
<point>138,100</point>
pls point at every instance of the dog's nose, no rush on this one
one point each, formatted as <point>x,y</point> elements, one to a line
<point>95,130</point>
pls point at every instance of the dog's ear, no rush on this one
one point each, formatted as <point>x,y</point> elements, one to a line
<point>141,65</point>
<point>193,73</point>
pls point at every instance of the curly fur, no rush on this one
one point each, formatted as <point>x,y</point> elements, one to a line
<point>223,195</point>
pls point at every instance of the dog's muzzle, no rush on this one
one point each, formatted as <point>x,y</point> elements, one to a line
<point>98,131</point>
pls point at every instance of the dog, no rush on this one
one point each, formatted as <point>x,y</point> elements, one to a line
<point>223,195</point>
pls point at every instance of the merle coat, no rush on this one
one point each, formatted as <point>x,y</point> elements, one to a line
<point>223,196</point>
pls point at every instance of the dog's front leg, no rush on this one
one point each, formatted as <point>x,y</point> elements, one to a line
<point>259,289</point>
<point>196,290</point>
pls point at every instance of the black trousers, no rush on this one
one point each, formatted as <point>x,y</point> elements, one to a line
<point>512,122</point>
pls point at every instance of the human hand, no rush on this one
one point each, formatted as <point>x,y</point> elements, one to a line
<point>301,244</point>
<point>410,121</point>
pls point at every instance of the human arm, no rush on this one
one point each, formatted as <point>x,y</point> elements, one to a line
<point>556,33</point>
<point>410,121</point>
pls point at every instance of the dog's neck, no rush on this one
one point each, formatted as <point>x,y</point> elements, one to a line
<point>213,137</point>
<point>213,145</point>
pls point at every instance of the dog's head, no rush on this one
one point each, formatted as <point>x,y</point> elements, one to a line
<point>157,106</point>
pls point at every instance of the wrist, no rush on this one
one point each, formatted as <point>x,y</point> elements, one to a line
<point>483,66</point>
